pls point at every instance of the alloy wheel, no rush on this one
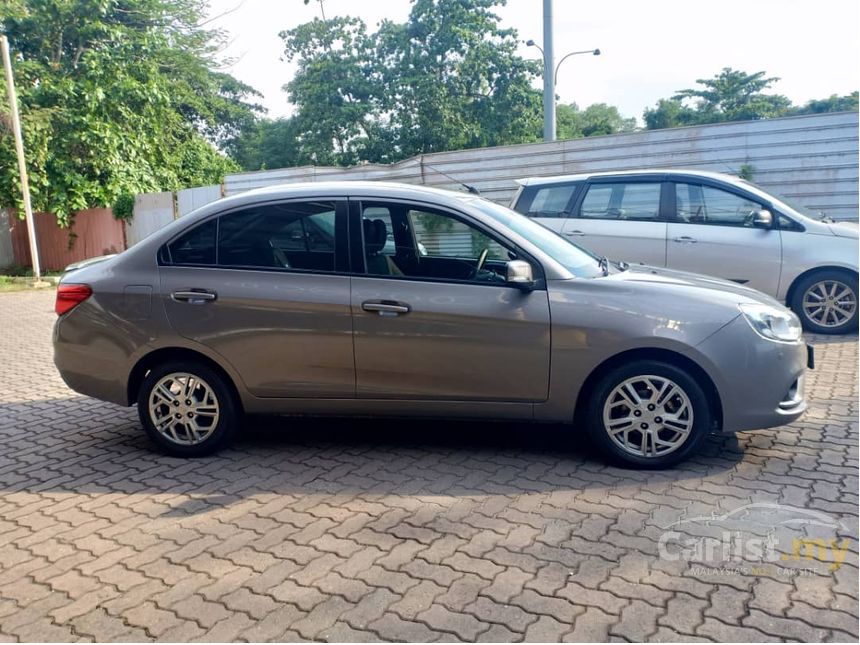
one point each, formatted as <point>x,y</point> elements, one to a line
<point>829,303</point>
<point>184,408</point>
<point>648,416</point>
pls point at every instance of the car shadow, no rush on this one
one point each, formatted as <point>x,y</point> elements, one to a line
<point>80,445</point>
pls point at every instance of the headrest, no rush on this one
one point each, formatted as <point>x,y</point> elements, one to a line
<point>375,235</point>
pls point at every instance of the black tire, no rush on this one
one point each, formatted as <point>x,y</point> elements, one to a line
<point>217,434</point>
<point>600,436</point>
<point>804,284</point>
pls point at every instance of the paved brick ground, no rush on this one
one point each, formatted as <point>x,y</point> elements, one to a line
<point>325,530</point>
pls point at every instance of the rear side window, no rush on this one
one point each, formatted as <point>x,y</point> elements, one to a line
<point>195,247</point>
<point>279,236</point>
<point>547,201</point>
<point>624,201</point>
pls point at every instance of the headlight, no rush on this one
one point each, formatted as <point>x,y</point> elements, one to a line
<point>772,323</point>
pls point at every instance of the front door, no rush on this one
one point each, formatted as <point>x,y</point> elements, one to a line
<point>258,286</point>
<point>432,320</point>
<point>712,233</point>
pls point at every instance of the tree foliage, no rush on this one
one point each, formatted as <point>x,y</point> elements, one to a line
<point>447,78</point>
<point>116,97</point>
<point>595,120</point>
<point>734,95</point>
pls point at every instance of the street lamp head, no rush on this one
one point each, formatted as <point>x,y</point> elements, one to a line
<point>596,52</point>
<point>530,43</point>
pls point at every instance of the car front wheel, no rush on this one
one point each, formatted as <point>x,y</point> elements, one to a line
<point>648,414</point>
<point>187,409</point>
<point>826,302</point>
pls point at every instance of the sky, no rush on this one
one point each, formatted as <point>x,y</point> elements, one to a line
<point>649,49</point>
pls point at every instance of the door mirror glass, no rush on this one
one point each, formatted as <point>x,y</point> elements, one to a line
<point>763,219</point>
<point>520,274</point>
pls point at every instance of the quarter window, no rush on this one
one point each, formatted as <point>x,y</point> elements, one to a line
<point>552,201</point>
<point>622,201</point>
<point>697,204</point>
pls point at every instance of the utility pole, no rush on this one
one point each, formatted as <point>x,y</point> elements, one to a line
<point>22,165</point>
<point>548,75</point>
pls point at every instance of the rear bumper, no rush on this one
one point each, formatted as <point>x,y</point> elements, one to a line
<point>760,382</point>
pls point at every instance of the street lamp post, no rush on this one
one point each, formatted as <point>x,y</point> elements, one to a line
<point>550,73</point>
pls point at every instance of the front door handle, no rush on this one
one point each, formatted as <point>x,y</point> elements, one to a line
<point>194,296</point>
<point>576,233</point>
<point>386,307</point>
<point>685,239</point>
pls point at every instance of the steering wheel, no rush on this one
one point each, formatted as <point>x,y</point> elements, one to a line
<point>481,260</point>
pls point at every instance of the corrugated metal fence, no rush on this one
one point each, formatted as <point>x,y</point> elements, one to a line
<point>812,159</point>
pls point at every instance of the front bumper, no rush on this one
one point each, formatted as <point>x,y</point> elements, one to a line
<point>760,382</point>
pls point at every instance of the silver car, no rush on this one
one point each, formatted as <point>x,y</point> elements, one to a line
<point>291,300</point>
<point>708,223</point>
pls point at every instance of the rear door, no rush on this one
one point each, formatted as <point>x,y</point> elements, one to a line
<point>622,219</point>
<point>264,287</point>
<point>712,232</point>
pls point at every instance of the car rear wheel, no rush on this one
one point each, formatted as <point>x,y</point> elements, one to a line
<point>648,414</point>
<point>826,302</point>
<point>187,409</point>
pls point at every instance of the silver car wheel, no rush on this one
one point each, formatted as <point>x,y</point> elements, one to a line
<point>648,416</point>
<point>183,408</point>
<point>830,303</point>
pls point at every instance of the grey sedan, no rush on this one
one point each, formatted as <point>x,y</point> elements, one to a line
<point>385,299</point>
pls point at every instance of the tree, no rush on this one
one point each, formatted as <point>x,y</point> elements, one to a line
<point>595,120</point>
<point>833,103</point>
<point>731,95</point>
<point>116,97</point>
<point>270,143</point>
<point>446,79</point>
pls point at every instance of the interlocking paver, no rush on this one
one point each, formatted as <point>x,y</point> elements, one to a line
<point>339,530</point>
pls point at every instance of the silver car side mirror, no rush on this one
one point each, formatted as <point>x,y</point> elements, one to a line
<point>763,219</point>
<point>520,274</point>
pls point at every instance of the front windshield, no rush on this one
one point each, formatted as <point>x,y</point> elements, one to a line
<point>785,203</point>
<point>580,262</point>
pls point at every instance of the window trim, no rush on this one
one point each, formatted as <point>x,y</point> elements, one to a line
<point>356,242</point>
<point>663,211</point>
<point>341,260</point>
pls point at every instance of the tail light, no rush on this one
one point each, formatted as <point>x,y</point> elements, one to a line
<point>70,296</point>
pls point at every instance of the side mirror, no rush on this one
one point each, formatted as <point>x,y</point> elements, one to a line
<point>763,219</point>
<point>520,274</point>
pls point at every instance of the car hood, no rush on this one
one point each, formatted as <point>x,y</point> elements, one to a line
<point>714,288</point>
<point>844,229</point>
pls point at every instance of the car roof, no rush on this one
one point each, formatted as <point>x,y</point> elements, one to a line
<point>351,189</point>
<point>678,172</point>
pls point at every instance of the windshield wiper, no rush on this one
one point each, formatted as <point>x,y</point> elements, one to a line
<point>826,219</point>
<point>603,263</point>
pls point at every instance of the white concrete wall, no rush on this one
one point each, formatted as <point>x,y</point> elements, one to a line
<point>7,255</point>
<point>152,211</point>
<point>193,198</point>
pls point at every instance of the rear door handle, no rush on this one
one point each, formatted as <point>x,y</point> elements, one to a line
<point>386,307</point>
<point>575,233</point>
<point>194,296</point>
<point>685,239</point>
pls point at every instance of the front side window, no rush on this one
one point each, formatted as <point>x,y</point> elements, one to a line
<point>400,241</point>
<point>622,201</point>
<point>298,235</point>
<point>696,204</point>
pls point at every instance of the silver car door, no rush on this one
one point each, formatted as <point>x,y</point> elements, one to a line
<point>713,233</point>
<point>426,327</point>
<point>622,220</point>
